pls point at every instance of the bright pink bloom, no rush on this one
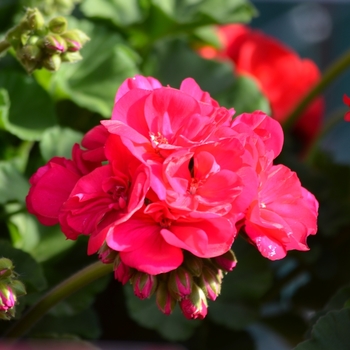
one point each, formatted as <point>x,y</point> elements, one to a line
<point>281,74</point>
<point>283,215</point>
<point>346,100</point>
<point>108,195</point>
<point>152,239</point>
<point>51,186</point>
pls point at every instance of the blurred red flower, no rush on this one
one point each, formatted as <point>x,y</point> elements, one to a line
<point>283,77</point>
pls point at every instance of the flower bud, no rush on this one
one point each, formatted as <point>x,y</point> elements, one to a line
<point>7,301</point>
<point>210,282</point>
<point>193,264</point>
<point>6,268</point>
<point>52,63</point>
<point>34,19</point>
<point>164,300</point>
<point>144,285</point>
<point>29,56</point>
<point>227,261</point>
<point>58,25</point>
<point>71,57</point>
<point>107,255</point>
<point>194,305</point>
<point>122,272</point>
<point>75,39</point>
<point>54,43</point>
<point>180,283</point>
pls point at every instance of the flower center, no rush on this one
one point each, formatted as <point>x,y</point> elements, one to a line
<point>157,139</point>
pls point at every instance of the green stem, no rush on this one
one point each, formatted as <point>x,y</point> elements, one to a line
<point>330,74</point>
<point>337,117</point>
<point>4,45</point>
<point>60,292</point>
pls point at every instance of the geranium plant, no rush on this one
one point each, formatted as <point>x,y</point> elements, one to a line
<point>162,168</point>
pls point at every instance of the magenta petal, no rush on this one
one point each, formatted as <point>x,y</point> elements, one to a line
<point>51,191</point>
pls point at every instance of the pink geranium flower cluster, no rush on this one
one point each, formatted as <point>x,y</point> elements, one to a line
<point>163,188</point>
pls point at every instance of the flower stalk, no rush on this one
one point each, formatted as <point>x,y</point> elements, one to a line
<point>336,68</point>
<point>61,291</point>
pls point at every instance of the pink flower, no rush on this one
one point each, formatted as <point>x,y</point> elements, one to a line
<point>283,215</point>
<point>152,239</point>
<point>51,186</point>
<point>108,195</point>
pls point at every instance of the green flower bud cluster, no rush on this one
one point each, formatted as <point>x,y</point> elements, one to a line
<point>10,289</point>
<point>52,7</point>
<point>39,45</point>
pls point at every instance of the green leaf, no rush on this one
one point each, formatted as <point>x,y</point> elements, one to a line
<point>175,61</point>
<point>58,141</point>
<point>120,12</point>
<point>31,111</point>
<point>84,324</point>
<point>146,313</point>
<point>30,272</point>
<point>330,332</point>
<point>171,17</point>
<point>92,83</point>
<point>82,299</point>
<point>41,242</point>
<point>245,96</point>
<point>13,185</point>
<point>242,288</point>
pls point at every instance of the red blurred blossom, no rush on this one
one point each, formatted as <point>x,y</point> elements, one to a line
<point>346,100</point>
<point>282,75</point>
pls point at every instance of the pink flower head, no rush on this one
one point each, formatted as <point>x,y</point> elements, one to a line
<point>153,238</point>
<point>283,215</point>
<point>51,186</point>
<point>346,100</point>
<point>108,195</point>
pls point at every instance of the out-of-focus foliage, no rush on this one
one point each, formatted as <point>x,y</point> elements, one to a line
<point>42,115</point>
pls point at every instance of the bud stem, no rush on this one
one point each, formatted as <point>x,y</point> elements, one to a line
<point>4,45</point>
<point>60,292</point>
<point>329,75</point>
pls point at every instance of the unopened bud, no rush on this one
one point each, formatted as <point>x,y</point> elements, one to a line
<point>107,255</point>
<point>6,268</point>
<point>54,43</point>
<point>58,25</point>
<point>34,19</point>
<point>122,272</point>
<point>210,282</point>
<point>52,63</point>
<point>195,305</point>
<point>71,57</point>
<point>75,39</point>
<point>227,261</point>
<point>165,302</point>
<point>180,283</point>
<point>144,285</point>
<point>7,299</point>
<point>193,264</point>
